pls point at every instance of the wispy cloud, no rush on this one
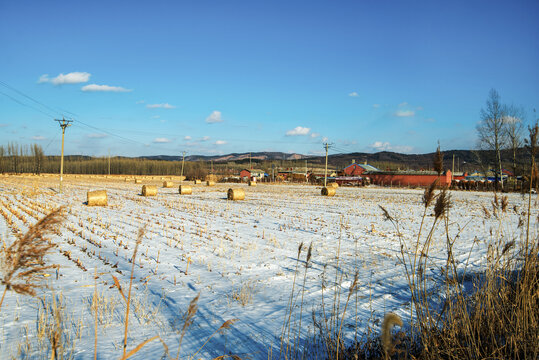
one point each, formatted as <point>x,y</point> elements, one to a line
<point>97,136</point>
<point>4,125</point>
<point>38,138</point>
<point>160,106</point>
<point>187,137</point>
<point>69,78</point>
<point>104,88</point>
<point>220,142</point>
<point>315,135</point>
<point>403,104</point>
<point>386,146</point>
<point>205,138</point>
<point>161,140</point>
<point>380,146</point>
<point>140,102</point>
<point>353,94</point>
<point>376,106</point>
<point>298,131</point>
<point>405,113</point>
<point>214,117</point>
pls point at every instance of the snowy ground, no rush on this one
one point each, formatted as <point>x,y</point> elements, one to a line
<point>242,260</point>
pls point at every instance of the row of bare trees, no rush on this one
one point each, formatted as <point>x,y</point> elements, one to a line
<point>19,158</point>
<point>501,128</point>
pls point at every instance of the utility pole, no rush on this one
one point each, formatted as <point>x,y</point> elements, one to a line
<point>453,168</point>
<point>181,173</point>
<point>63,124</point>
<point>326,172</point>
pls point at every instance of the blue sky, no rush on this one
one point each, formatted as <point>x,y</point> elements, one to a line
<point>214,77</point>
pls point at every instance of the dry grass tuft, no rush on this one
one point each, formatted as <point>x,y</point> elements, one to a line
<point>25,257</point>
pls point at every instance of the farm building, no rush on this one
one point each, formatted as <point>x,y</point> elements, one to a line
<point>355,169</point>
<point>407,178</point>
<point>252,174</point>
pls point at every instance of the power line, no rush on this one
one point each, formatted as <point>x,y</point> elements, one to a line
<point>28,97</point>
<point>23,104</point>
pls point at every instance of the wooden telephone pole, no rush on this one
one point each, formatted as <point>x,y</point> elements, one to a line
<point>181,173</point>
<point>63,124</point>
<point>326,172</point>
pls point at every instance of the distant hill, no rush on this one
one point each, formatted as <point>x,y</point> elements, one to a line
<point>468,160</point>
<point>265,156</point>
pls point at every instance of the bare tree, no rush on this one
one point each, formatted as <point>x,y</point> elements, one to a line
<point>39,158</point>
<point>491,130</point>
<point>514,122</point>
<point>2,156</point>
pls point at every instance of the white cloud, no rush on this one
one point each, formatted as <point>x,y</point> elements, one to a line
<point>104,88</point>
<point>156,117</point>
<point>298,131</point>
<point>403,104</point>
<point>205,138</point>
<point>315,135</point>
<point>69,78</point>
<point>386,146</point>
<point>38,137</point>
<point>161,140</point>
<point>220,142</point>
<point>376,106</point>
<point>160,106</point>
<point>511,119</point>
<point>431,120</point>
<point>187,137</point>
<point>325,139</point>
<point>353,94</point>
<point>140,102</point>
<point>404,113</point>
<point>380,146</point>
<point>214,117</point>
<point>97,136</point>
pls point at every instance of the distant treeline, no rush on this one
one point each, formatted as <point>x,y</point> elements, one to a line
<point>16,158</point>
<point>31,159</point>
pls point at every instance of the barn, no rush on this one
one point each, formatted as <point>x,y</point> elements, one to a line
<point>355,169</point>
<point>250,174</point>
<point>408,178</point>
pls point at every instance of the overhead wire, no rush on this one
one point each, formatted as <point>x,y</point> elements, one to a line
<point>75,121</point>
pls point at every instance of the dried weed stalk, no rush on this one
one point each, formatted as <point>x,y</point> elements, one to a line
<point>24,259</point>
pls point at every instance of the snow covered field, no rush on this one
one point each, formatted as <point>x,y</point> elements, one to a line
<point>240,256</point>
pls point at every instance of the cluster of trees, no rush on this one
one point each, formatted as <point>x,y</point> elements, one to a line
<point>501,128</point>
<point>18,158</point>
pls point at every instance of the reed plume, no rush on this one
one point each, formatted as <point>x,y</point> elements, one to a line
<point>390,320</point>
<point>24,259</point>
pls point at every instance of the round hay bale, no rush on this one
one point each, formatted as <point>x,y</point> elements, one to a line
<point>149,190</point>
<point>168,184</point>
<point>97,198</point>
<point>333,184</point>
<point>236,194</point>
<point>252,183</point>
<point>185,190</point>
<point>198,181</point>
<point>328,191</point>
<point>138,181</point>
<point>126,180</point>
<point>210,183</point>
